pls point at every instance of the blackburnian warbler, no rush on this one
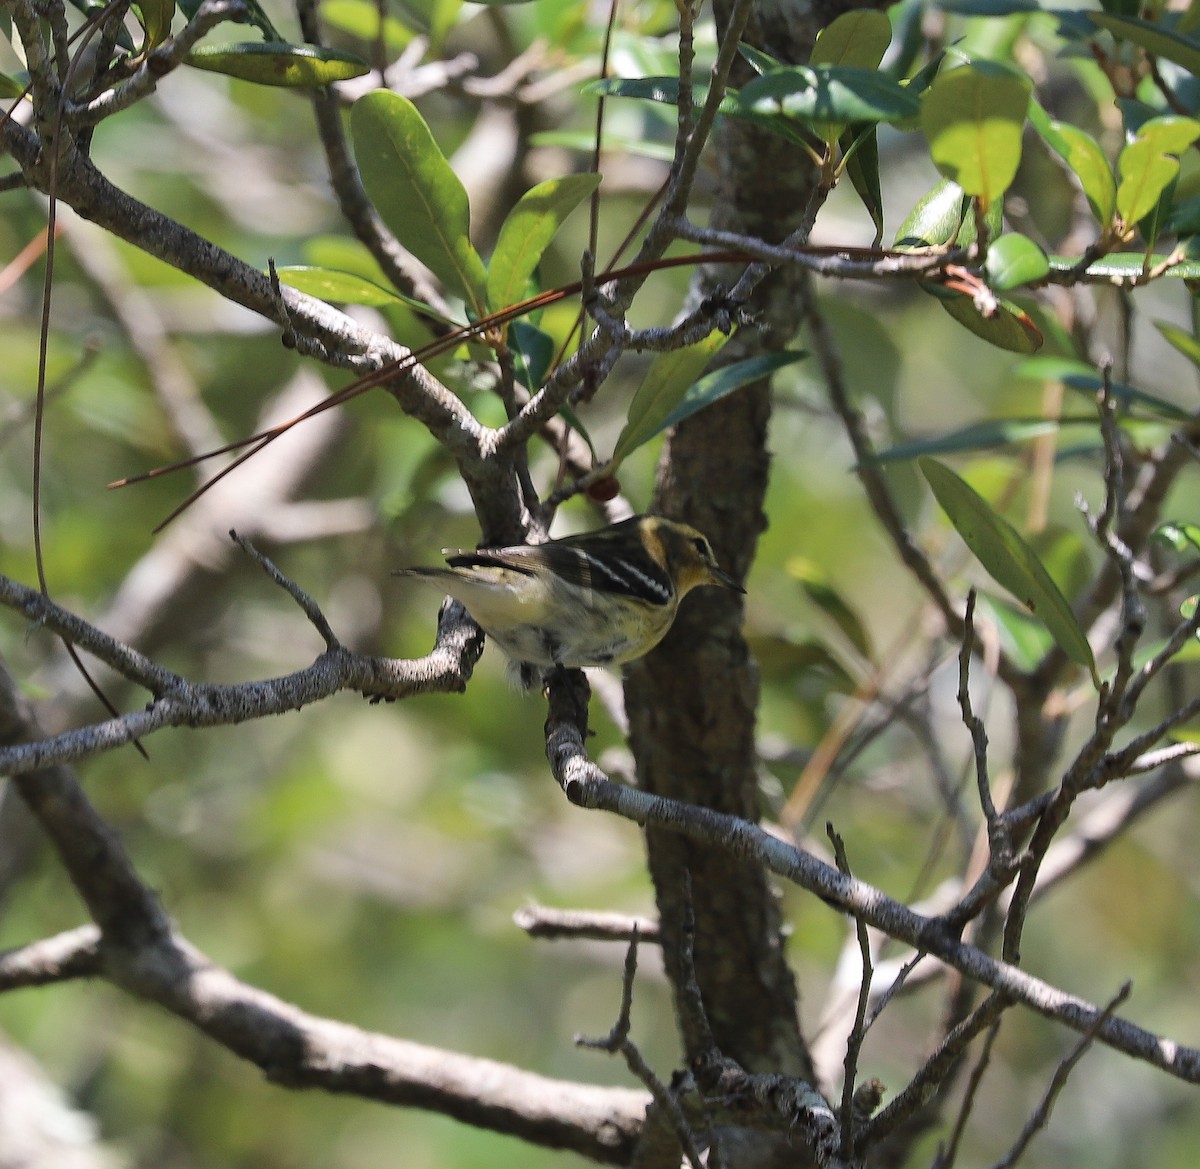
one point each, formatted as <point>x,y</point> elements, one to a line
<point>597,599</point>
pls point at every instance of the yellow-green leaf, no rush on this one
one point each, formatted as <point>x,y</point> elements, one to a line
<point>667,380</point>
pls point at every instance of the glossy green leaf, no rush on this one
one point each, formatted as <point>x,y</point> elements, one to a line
<point>1083,156</point>
<point>972,118</point>
<point>1126,265</point>
<point>819,589</point>
<point>1148,164</point>
<point>759,61</point>
<point>1013,260</point>
<point>416,193</point>
<point>156,19</point>
<point>349,288</point>
<point>858,38</point>
<point>1154,38</point>
<point>276,63</point>
<point>527,231</point>
<point>1010,327</point>
<point>860,145</point>
<point>828,95</point>
<point>712,387</point>
<point>1009,560</point>
<point>1182,340</point>
<point>666,382</point>
<point>533,351</point>
<point>936,218</point>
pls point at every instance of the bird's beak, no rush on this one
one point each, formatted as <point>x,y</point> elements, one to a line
<point>723,578</point>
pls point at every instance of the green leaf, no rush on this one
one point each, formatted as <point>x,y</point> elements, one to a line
<point>1182,537</point>
<point>826,96</point>
<point>662,389</point>
<point>533,349</point>
<point>277,63</point>
<point>860,145</point>
<point>1126,265</point>
<point>665,90</point>
<point>980,436</point>
<point>360,18</point>
<point>936,218</point>
<point>817,586</point>
<point>527,231</point>
<point>348,288</point>
<point>712,387</point>
<point>1147,165</point>
<point>1009,560</point>
<point>254,16</point>
<point>416,193</point>
<point>1015,259</point>
<point>156,19</point>
<point>1081,377</point>
<point>1010,327</point>
<point>1162,42</point>
<point>1024,638</point>
<point>858,38</point>
<point>1086,160</point>
<point>972,118</point>
<point>13,86</point>
<point>1188,345</point>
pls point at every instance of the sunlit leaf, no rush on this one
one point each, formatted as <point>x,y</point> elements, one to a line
<point>858,38</point>
<point>361,18</point>
<point>712,387</point>
<point>1083,156</point>
<point>972,118</point>
<point>416,192</point>
<point>11,87</point>
<point>1013,260</point>
<point>1123,265</point>
<point>1148,164</point>
<point>349,288</point>
<point>936,218</point>
<point>527,231</point>
<point>662,389</point>
<point>1183,537</point>
<point>276,63</point>
<point>1009,560</point>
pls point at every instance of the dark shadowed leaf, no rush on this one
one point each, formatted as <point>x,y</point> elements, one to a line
<point>819,589</point>
<point>714,386</point>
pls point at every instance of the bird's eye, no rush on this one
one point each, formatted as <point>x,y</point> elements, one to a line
<point>701,546</point>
